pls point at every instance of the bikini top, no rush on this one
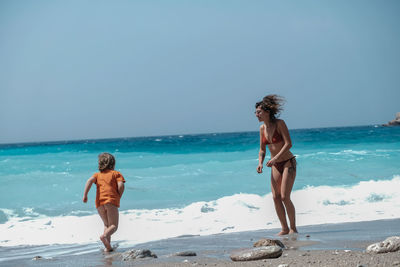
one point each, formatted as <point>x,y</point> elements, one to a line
<point>276,138</point>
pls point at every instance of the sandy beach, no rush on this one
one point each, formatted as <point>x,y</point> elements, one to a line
<point>317,245</point>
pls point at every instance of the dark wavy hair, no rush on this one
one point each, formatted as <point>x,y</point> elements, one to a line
<point>273,104</point>
<point>106,162</point>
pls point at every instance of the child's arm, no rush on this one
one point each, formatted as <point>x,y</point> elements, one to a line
<point>88,185</point>
<point>121,188</point>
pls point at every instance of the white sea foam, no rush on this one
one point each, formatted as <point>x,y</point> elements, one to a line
<point>349,153</point>
<point>370,200</point>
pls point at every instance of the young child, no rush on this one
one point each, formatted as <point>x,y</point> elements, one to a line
<point>110,187</point>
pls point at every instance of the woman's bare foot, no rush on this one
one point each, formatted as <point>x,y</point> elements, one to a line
<point>283,232</point>
<point>106,243</point>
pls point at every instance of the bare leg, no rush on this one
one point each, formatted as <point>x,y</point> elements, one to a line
<point>276,180</point>
<point>112,218</point>
<point>103,215</point>
<point>108,239</point>
<point>288,177</point>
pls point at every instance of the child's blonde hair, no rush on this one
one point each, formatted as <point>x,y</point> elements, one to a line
<point>106,162</point>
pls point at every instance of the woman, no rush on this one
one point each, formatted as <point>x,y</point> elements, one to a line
<point>275,134</point>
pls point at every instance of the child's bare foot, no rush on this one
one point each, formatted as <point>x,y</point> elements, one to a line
<point>106,243</point>
<point>293,231</point>
<point>283,232</point>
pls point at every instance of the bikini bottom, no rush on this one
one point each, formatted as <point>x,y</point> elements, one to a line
<point>280,165</point>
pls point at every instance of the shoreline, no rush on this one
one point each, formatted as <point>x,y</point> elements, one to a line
<point>315,245</point>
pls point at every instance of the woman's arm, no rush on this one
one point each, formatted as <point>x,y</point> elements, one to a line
<point>88,185</point>
<point>261,153</point>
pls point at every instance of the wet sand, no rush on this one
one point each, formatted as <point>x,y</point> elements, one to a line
<point>317,245</point>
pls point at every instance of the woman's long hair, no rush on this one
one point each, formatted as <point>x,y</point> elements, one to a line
<point>273,104</point>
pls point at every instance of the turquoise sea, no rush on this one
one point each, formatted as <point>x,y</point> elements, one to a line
<point>195,185</point>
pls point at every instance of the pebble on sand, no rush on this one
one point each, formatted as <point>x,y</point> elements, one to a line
<point>186,254</point>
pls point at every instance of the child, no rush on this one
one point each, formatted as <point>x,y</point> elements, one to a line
<point>110,187</point>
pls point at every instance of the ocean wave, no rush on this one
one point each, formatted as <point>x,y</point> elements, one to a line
<point>367,200</point>
<point>349,153</point>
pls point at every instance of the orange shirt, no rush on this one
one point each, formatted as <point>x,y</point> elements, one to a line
<point>107,187</point>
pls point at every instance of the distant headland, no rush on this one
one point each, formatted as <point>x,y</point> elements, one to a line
<point>395,122</point>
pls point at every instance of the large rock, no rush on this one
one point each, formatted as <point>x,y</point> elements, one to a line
<point>259,253</point>
<point>268,242</point>
<point>395,122</point>
<point>390,244</point>
<point>137,254</point>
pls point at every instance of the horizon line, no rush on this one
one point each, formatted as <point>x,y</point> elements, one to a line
<point>53,142</point>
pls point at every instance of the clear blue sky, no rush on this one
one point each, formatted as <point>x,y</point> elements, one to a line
<point>103,69</point>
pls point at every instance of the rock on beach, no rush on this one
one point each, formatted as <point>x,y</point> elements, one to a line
<point>269,242</point>
<point>390,244</point>
<point>258,253</point>
<point>134,254</point>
